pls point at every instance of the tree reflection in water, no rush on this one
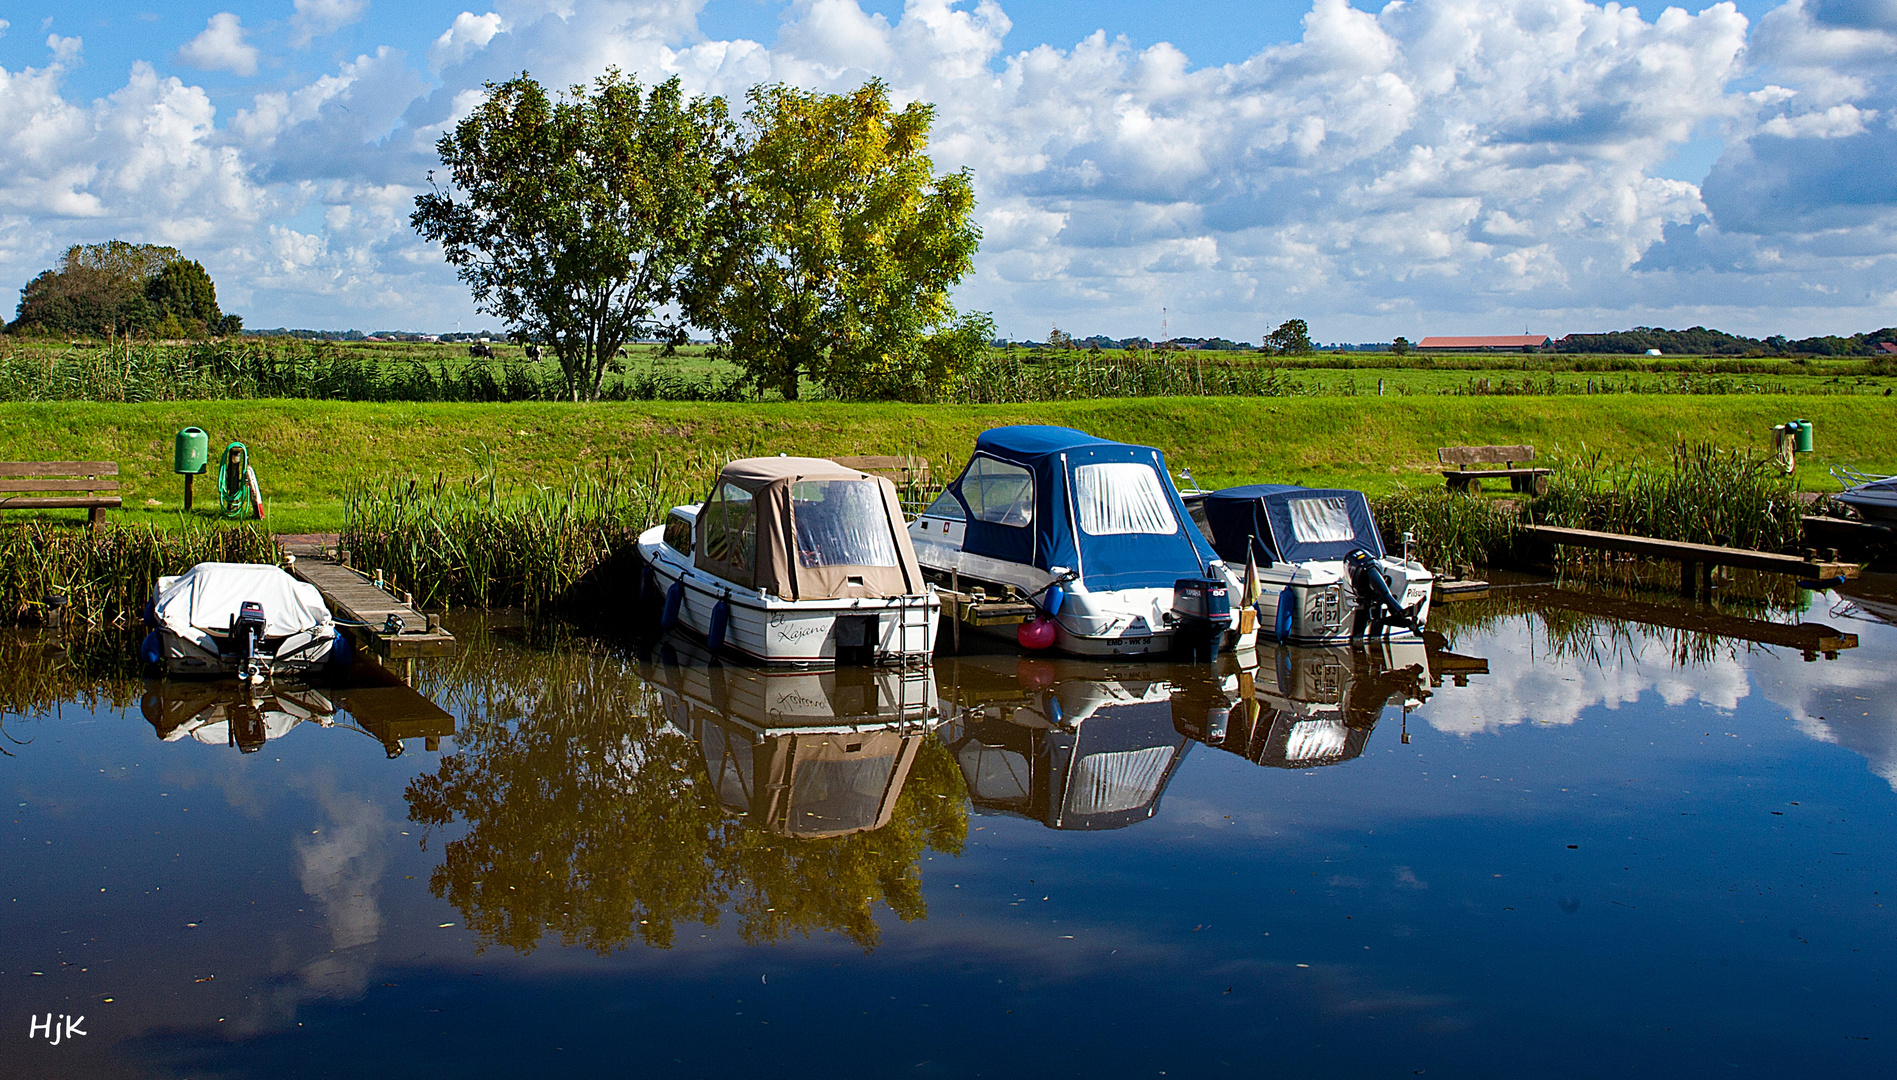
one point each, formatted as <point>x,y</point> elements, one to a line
<point>589,814</point>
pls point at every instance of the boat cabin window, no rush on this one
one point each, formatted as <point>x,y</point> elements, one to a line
<point>1321,521</point>
<point>1118,498</point>
<point>841,523</point>
<point>678,534</point>
<point>998,492</point>
<point>731,530</point>
<point>946,505</point>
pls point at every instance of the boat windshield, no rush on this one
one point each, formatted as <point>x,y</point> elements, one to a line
<point>998,492</point>
<point>1321,521</point>
<point>1117,498</point>
<point>841,523</point>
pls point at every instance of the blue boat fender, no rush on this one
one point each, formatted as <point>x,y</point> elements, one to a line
<point>152,649</point>
<point>1052,599</point>
<point>674,597</point>
<point>720,618</point>
<point>1287,613</point>
<point>342,652</point>
<point>149,613</point>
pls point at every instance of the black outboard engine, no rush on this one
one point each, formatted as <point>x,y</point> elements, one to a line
<point>1371,586</point>
<point>247,628</point>
<point>1203,608</point>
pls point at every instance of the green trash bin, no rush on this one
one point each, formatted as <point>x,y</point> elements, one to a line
<point>1803,433</point>
<point>191,451</point>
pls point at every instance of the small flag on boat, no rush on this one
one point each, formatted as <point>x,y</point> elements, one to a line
<point>1251,577</point>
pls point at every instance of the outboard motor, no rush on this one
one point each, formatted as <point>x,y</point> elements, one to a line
<point>1203,608</point>
<point>247,628</point>
<point>1370,584</point>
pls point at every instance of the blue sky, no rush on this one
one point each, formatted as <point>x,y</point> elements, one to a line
<point>1434,166</point>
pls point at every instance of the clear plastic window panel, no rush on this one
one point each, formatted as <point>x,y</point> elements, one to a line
<point>678,534</point>
<point>1108,783</point>
<point>841,523</point>
<point>946,506</point>
<point>1119,498</point>
<point>731,529</point>
<point>998,492</point>
<point>1321,521</point>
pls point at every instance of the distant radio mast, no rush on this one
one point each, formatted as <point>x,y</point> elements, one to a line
<point>1164,334</point>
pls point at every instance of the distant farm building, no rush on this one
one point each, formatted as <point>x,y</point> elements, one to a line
<point>1501,343</point>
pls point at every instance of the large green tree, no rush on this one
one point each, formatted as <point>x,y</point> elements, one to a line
<point>181,289</point>
<point>574,219</point>
<point>97,289</point>
<point>839,248</point>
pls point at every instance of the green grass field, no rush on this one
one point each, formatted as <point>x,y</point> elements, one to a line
<point>306,452</point>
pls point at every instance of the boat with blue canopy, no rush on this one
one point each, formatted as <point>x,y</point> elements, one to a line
<point>1322,574</point>
<point>1090,532</point>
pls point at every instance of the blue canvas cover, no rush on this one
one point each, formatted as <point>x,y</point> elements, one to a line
<point>1053,537</point>
<point>1288,523</point>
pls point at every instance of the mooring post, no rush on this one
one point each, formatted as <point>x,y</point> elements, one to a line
<point>1706,578</point>
<point>1688,580</point>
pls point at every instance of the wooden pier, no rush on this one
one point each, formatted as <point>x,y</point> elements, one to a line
<point>1696,560</point>
<point>391,625</point>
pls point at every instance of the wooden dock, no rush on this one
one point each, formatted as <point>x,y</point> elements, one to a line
<point>1696,560</point>
<point>391,625</point>
<point>1810,639</point>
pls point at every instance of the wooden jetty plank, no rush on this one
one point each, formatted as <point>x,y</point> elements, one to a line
<point>1692,554</point>
<point>1451,590</point>
<point>1808,638</point>
<point>355,598</point>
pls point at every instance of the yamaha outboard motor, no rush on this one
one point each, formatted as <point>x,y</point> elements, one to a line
<point>1371,587</point>
<point>247,628</point>
<point>1203,610</point>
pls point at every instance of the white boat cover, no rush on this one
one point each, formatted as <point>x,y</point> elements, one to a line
<point>208,595</point>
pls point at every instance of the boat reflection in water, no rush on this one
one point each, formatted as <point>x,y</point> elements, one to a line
<point>803,754</point>
<point>1305,707</point>
<point>1073,744</point>
<point>230,713</point>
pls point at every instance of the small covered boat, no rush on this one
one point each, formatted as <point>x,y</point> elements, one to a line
<point>1091,532</point>
<point>1322,573</point>
<point>246,619</point>
<point>1308,707</point>
<point>795,561</point>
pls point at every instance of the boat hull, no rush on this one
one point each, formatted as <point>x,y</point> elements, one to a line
<point>294,654</point>
<point>812,633</point>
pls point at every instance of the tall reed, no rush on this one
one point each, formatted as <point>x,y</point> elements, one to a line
<point>1700,494</point>
<point>52,571</point>
<point>1003,378</point>
<point>1450,530</point>
<point>484,543</point>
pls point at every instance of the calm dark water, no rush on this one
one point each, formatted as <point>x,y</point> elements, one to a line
<point>1555,844</point>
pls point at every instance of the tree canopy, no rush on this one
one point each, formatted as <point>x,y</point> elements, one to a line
<point>119,288</point>
<point>1291,338</point>
<point>839,248</point>
<point>575,219</point>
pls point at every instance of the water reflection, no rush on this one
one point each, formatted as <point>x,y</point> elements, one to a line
<point>224,712</point>
<point>1072,744</point>
<point>1306,707</point>
<point>804,754</point>
<point>602,801</point>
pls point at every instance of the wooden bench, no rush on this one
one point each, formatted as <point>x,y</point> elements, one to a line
<point>70,485</point>
<point>1464,479</point>
<point>900,470</point>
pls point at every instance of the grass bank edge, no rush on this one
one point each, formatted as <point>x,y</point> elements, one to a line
<point>307,453</point>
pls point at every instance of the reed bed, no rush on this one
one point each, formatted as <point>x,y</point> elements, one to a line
<point>1451,530</point>
<point>485,543</point>
<point>43,670</point>
<point>244,368</point>
<point>58,573</point>
<point>1700,494</point>
<point>1007,378</point>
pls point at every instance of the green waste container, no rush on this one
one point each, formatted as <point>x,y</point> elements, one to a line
<point>1802,430</point>
<point>191,450</point>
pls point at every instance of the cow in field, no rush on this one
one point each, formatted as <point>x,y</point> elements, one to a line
<point>484,352</point>
<point>533,352</point>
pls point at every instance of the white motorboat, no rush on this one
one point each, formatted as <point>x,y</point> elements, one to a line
<point>1089,531</point>
<point>227,715</point>
<point>795,561</point>
<point>1306,707</point>
<point>1323,575</point>
<point>251,620</point>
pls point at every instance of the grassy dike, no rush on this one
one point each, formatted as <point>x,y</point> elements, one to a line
<point>307,452</point>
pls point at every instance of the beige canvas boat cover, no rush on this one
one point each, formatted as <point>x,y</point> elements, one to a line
<point>806,529</point>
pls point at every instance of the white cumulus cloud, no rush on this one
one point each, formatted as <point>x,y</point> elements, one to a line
<point>314,18</point>
<point>468,33</point>
<point>221,47</point>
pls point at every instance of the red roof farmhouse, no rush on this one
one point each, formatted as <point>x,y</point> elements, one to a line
<point>1507,342</point>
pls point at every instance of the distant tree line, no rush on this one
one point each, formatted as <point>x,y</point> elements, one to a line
<point>1700,341</point>
<point>119,289</point>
